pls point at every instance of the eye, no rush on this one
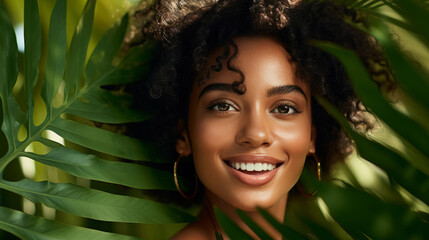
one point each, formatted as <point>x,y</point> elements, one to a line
<point>223,106</point>
<point>284,109</point>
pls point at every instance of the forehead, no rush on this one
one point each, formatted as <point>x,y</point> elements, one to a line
<point>259,58</point>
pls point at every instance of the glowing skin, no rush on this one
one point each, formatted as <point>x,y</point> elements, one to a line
<point>270,125</point>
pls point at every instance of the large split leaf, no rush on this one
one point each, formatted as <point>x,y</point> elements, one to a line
<point>92,167</point>
<point>96,204</point>
<point>30,227</point>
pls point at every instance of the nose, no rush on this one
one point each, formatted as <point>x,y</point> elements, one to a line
<point>254,131</point>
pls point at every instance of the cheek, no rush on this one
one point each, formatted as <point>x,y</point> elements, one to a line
<point>295,137</point>
<point>208,135</point>
<point>295,141</point>
<point>208,138</point>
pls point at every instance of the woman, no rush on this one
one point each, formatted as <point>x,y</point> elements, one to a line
<point>233,87</point>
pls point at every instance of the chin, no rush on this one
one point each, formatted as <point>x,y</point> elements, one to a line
<point>252,203</point>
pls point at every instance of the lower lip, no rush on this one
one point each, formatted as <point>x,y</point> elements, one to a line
<point>256,178</point>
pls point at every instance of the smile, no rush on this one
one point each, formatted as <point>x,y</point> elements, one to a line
<point>250,167</point>
<point>253,170</point>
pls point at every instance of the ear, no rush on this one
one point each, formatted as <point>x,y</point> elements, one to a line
<point>183,145</point>
<point>312,146</point>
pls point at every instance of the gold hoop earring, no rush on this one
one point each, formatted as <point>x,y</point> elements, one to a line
<point>176,181</point>
<point>319,177</point>
<point>319,170</point>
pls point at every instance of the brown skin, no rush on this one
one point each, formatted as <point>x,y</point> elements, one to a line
<point>223,124</point>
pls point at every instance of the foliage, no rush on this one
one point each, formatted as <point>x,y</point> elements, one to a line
<point>364,213</point>
<point>72,88</point>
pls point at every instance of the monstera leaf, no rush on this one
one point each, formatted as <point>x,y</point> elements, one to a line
<point>78,86</point>
<point>361,213</point>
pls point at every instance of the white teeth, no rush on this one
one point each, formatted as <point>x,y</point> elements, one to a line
<point>237,165</point>
<point>243,166</point>
<point>258,167</point>
<point>264,166</point>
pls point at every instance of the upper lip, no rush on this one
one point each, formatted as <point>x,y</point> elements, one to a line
<point>253,158</point>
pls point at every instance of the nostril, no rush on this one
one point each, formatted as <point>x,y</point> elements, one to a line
<point>254,137</point>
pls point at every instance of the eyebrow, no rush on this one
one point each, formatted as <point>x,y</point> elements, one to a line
<point>285,90</point>
<point>217,87</point>
<point>271,92</point>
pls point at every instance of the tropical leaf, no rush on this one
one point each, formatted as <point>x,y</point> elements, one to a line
<point>394,164</point>
<point>12,116</point>
<point>56,60</point>
<point>102,140</point>
<point>230,227</point>
<point>235,232</point>
<point>31,227</point>
<point>255,228</point>
<point>286,231</point>
<point>375,218</point>
<point>77,52</point>
<point>83,96</point>
<point>95,168</point>
<point>33,41</point>
<point>415,12</point>
<point>95,204</point>
<point>368,92</point>
<point>404,68</point>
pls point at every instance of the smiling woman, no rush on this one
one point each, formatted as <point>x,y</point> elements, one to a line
<point>249,148</point>
<point>259,126</point>
<point>233,88</point>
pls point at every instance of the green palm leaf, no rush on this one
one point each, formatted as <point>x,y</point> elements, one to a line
<point>95,168</point>
<point>33,39</point>
<point>286,231</point>
<point>368,92</point>
<point>255,228</point>
<point>83,96</point>
<point>395,165</point>
<point>30,227</point>
<point>56,60</point>
<point>229,226</point>
<point>12,116</point>
<point>95,204</point>
<point>375,218</point>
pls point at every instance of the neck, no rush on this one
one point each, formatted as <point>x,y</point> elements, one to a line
<point>208,219</point>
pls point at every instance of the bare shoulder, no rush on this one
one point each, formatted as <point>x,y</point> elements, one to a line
<point>193,231</point>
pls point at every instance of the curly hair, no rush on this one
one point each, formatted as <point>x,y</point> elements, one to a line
<point>189,32</point>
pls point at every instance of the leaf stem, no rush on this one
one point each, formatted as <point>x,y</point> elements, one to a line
<point>11,155</point>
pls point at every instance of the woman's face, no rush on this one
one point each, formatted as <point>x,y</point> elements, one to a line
<point>249,149</point>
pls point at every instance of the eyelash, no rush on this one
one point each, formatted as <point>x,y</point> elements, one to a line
<point>289,107</point>
<point>229,104</point>
<point>233,107</point>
